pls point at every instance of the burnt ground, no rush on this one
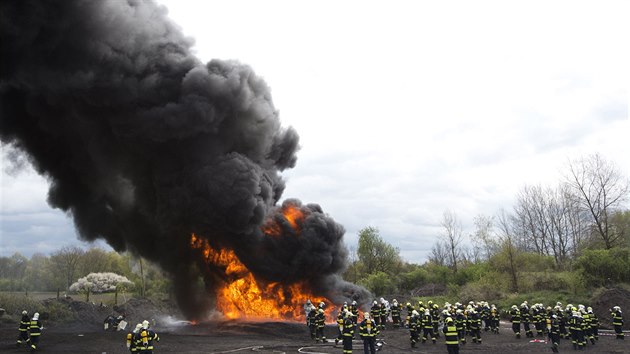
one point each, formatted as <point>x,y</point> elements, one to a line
<point>274,337</point>
<point>85,334</point>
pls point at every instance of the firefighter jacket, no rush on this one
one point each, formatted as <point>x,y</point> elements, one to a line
<point>355,313</point>
<point>35,328</point>
<point>474,321</point>
<point>375,311</point>
<point>515,316</point>
<point>340,320</point>
<point>450,334</point>
<point>311,319</point>
<point>368,329</point>
<point>396,310</point>
<point>594,321</point>
<point>147,337</point>
<point>617,318</point>
<point>348,327</point>
<point>25,322</point>
<point>525,316</point>
<point>320,320</point>
<point>427,321</point>
<point>460,321</point>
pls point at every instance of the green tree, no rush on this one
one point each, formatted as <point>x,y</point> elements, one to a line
<point>379,283</point>
<point>412,279</point>
<point>39,275</point>
<point>94,260</point>
<point>601,267</point>
<point>620,224</point>
<point>375,254</point>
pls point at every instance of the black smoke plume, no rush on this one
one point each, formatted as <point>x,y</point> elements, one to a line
<point>144,145</point>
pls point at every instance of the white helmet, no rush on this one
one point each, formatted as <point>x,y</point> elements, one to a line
<point>375,302</point>
<point>24,312</point>
<point>138,326</point>
<point>366,315</point>
<point>145,324</point>
<point>36,316</point>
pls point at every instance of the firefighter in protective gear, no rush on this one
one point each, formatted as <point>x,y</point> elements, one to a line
<point>414,327</point>
<point>320,321</point>
<point>460,325</point>
<point>577,332</point>
<point>594,325</point>
<point>515,318</point>
<point>340,321</point>
<point>525,320</point>
<point>133,338</point>
<point>35,331</point>
<point>375,313</point>
<point>354,310</point>
<point>368,330</point>
<point>553,328</point>
<point>410,310</point>
<point>427,327</point>
<point>147,338</point>
<point>450,336</point>
<point>348,332</point>
<point>474,320</point>
<point>384,312</point>
<point>311,322</point>
<point>396,309</point>
<point>308,306</point>
<point>494,319</point>
<point>435,315</point>
<point>617,321</point>
<point>23,329</point>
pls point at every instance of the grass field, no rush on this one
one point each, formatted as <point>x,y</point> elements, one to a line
<point>107,298</point>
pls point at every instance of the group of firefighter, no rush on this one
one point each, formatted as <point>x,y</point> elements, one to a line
<point>30,330</point>
<point>141,339</point>
<point>578,324</point>
<point>460,321</point>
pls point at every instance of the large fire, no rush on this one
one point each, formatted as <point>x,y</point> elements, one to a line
<point>244,296</point>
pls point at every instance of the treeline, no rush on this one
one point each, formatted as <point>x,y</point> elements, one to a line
<point>571,238</point>
<point>63,267</point>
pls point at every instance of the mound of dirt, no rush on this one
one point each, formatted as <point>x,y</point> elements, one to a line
<point>606,301</point>
<point>84,314</point>
<point>138,310</point>
<point>90,316</point>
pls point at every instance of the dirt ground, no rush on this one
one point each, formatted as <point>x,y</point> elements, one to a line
<point>274,337</point>
<point>85,334</point>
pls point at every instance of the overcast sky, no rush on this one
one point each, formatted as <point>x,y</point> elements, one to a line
<point>404,108</point>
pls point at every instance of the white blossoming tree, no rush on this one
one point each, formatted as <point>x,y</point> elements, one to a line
<point>101,283</point>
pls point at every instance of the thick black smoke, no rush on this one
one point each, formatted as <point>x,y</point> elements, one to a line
<point>143,144</point>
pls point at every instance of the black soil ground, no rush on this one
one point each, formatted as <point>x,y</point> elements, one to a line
<point>86,335</point>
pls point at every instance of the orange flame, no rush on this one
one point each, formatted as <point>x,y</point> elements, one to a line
<point>292,214</point>
<point>245,297</point>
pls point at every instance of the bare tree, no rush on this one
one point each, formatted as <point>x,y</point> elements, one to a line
<point>439,253</point>
<point>452,237</point>
<point>601,189</point>
<point>549,222</point>
<point>66,262</point>
<point>483,241</point>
